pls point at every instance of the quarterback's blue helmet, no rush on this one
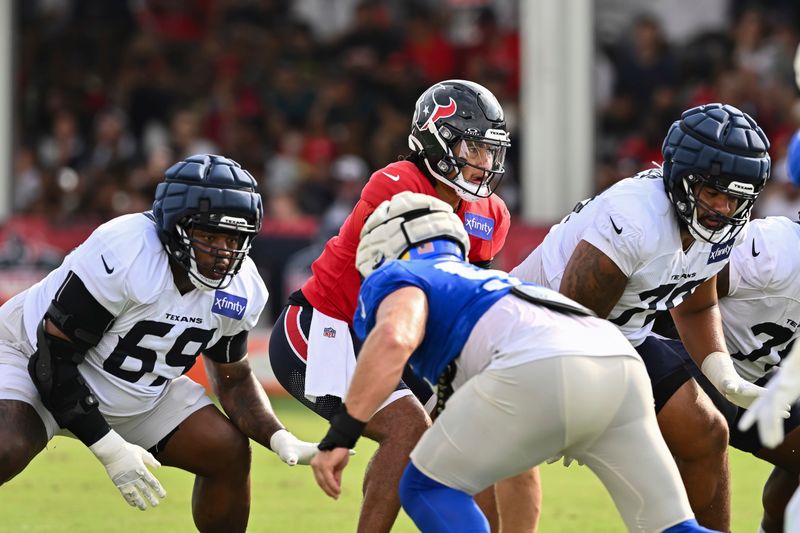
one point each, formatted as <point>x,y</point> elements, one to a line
<point>793,159</point>
<point>212,193</point>
<point>717,146</point>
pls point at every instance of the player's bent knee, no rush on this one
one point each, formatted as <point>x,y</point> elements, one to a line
<point>778,490</point>
<point>16,452</point>
<point>232,454</point>
<point>436,507</point>
<point>239,449</point>
<point>717,433</point>
<point>707,437</point>
<point>401,422</point>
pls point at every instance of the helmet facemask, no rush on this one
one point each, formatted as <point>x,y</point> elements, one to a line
<point>714,146</point>
<point>693,211</point>
<point>223,263</point>
<point>485,154</point>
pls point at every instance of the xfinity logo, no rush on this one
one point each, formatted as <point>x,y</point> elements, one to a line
<point>229,305</point>
<point>479,226</point>
<point>720,252</point>
<point>178,318</point>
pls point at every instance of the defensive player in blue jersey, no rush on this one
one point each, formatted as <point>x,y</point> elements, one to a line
<point>504,346</point>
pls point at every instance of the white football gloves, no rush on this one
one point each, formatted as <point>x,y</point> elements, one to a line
<point>719,370</point>
<point>125,465</point>
<point>292,450</point>
<point>771,408</point>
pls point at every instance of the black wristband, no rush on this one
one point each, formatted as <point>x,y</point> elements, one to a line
<point>91,426</point>
<point>344,431</point>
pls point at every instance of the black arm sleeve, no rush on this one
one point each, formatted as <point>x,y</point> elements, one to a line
<point>484,264</point>
<point>229,349</point>
<point>78,314</point>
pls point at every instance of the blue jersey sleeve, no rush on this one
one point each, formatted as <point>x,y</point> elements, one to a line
<point>375,288</point>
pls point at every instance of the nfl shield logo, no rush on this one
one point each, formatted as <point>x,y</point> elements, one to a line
<point>329,332</point>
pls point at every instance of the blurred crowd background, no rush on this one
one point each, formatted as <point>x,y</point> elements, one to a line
<point>654,60</point>
<point>312,95</point>
<point>307,95</point>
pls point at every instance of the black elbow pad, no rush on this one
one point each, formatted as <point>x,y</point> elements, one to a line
<point>78,314</point>
<point>53,367</point>
<point>228,349</point>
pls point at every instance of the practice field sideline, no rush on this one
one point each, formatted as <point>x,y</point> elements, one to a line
<point>66,489</point>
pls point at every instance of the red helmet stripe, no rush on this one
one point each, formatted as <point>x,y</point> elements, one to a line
<point>294,333</point>
<point>441,111</point>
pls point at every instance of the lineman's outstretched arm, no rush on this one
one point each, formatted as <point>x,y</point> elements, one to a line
<point>74,323</point>
<point>399,329</point>
<point>249,408</point>
<point>699,324</point>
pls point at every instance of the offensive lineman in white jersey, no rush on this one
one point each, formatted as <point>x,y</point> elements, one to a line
<point>100,346</point>
<point>784,387</point>
<point>655,242</point>
<point>759,293</point>
<point>759,302</point>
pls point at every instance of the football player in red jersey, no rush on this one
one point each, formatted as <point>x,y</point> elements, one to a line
<point>458,143</point>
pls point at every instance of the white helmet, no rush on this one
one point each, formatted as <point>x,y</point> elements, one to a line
<point>407,220</point>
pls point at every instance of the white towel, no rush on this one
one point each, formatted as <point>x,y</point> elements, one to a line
<point>331,359</point>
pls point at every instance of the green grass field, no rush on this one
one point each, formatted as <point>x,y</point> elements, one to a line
<point>66,489</point>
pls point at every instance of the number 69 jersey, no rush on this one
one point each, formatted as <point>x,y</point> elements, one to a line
<point>156,333</point>
<point>634,224</point>
<point>761,312</point>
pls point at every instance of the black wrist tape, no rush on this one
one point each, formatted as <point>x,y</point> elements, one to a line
<point>344,431</point>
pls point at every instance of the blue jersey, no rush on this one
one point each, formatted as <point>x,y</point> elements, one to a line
<point>458,295</point>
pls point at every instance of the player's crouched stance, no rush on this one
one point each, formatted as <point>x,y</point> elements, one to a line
<point>100,346</point>
<point>500,344</point>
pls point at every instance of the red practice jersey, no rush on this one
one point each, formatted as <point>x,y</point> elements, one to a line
<point>334,284</point>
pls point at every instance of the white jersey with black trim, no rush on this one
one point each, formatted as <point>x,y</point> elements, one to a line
<point>761,313</point>
<point>635,225</point>
<point>157,333</point>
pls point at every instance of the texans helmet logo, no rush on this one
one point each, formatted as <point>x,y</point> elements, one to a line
<point>441,111</point>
